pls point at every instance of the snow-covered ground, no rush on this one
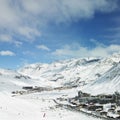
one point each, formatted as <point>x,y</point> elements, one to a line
<point>39,106</point>
<point>11,81</point>
<point>70,72</point>
<point>108,83</point>
<point>90,75</point>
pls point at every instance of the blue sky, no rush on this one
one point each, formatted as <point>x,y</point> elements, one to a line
<point>48,30</point>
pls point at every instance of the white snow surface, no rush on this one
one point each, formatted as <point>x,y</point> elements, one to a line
<point>70,72</point>
<point>91,75</point>
<point>108,83</point>
<point>36,107</point>
<point>12,81</point>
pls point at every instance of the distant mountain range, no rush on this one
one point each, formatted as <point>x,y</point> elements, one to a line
<point>89,74</point>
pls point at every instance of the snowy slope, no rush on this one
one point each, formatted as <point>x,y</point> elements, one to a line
<point>39,106</point>
<point>11,80</point>
<point>71,72</point>
<point>98,76</point>
<point>108,83</point>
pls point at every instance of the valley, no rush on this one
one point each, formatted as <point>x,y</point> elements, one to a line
<point>56,91</point>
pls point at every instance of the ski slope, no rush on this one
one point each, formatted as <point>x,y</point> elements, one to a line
<point>108,83</point>
<point>92,75</point>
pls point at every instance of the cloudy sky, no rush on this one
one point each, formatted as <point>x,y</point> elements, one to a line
<point>48,30</point>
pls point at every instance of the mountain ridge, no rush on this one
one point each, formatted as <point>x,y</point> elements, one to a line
<point>73,72</point>
<point>68,71</point>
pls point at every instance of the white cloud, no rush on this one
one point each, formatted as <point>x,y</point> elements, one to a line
<point>43,47</point>
<point>8,16</point>
<point>76,50</point>
<point>17,43</point>
<point>5,38</point>
<point>25,17</point>
<point>8,39</point>
<point>7,53</point>
<point>67,10</point>
<point>29,32</point>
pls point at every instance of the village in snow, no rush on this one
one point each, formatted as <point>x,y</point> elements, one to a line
<point>70,89</point>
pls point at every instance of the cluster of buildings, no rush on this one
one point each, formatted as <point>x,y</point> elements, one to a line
<point>107,106</point>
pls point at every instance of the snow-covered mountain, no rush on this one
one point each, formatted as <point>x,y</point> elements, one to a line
<point>108,83</point>
<point>92,72</point>
<point>91,75</point>
<point>12,80</point>
<point>71,72</point>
